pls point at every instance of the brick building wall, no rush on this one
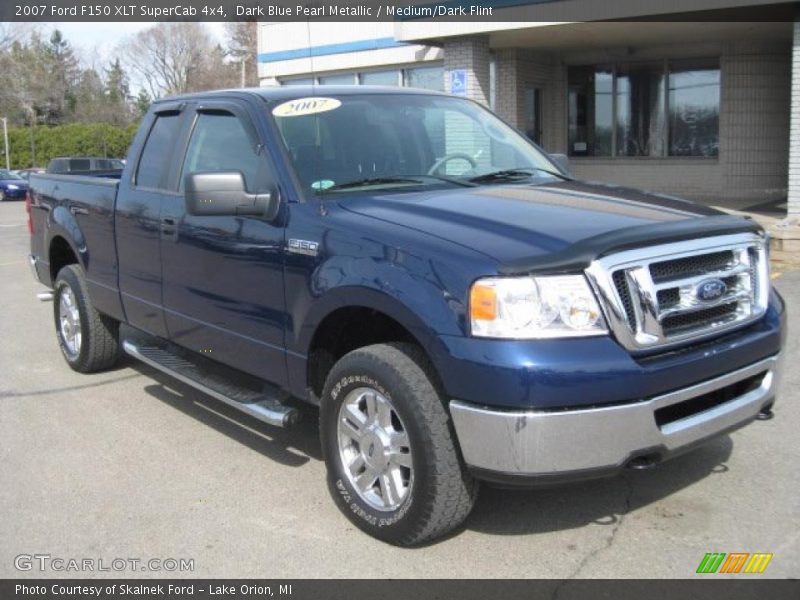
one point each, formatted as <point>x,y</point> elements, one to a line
<point>754,120</point>
<point>472,55</point>
<point>794,136</point>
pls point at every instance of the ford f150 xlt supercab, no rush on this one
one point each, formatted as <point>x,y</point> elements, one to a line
<point>457,305</point>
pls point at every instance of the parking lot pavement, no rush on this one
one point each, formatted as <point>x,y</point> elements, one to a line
<point>130,464</point>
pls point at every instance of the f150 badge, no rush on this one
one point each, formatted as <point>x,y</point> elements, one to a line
<point>303,247</point>
<point>710,290</point>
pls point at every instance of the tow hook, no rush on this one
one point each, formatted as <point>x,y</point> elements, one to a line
<point>641,463</point>
<point>45,296</point>
<point>766,414</point>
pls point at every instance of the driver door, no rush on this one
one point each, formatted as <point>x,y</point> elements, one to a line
<point>223,275</point>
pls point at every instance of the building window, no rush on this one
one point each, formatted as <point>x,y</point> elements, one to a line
<point>693,109</point>
<point>302,81</point>
<point>380,78</point>
<point>640,110</point>
<point>668,108</point>
<point>426,78</point>
<point>342,79</point>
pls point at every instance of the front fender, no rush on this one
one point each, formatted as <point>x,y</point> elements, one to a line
<point>398,287</point>
<point>351,296</point>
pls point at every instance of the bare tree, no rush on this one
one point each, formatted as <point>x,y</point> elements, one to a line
<point>11,33</point>
<point>243,47</point>
<point>173,58</point>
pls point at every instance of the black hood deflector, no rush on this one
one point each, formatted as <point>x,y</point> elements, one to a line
<point>580,255</point>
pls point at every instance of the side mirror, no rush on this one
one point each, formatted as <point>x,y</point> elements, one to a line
<point>561,160</point>
<point>223,193</point>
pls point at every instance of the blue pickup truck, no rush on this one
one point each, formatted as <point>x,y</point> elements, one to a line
<point>457,305</point>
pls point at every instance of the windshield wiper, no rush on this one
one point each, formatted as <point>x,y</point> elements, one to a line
<point>512,174</point>
<point>371,181</point>
<point>554,174</point>
<point>461,182</point>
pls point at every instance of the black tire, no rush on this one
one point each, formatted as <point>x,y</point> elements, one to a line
<point>99,344</point>
<point>442,493</point>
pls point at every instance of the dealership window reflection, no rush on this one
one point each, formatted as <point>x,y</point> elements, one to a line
<point>693,110</point>
<point>645,109</point>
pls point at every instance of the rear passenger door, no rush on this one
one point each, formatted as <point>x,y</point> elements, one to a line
<point>223,275</point>
<point>137,220</point>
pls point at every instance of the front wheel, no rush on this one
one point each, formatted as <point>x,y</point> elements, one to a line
<point>393,466</point>
<point>89,340</point>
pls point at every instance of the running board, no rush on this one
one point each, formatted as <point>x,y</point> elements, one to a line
<point>263,406</point>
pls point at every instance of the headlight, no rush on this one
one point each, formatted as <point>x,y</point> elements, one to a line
<point>11,186</point>
<point>534,307</point>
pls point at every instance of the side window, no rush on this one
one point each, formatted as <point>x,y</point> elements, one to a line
<point>156,152</point>
<point>220,143</point>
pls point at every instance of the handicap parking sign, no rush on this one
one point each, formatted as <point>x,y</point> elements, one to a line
<point>458,82</point>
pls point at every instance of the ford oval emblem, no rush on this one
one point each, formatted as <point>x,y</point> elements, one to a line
<point>710,290</point>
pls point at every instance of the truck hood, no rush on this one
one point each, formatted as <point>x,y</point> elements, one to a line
<point>518,224</point>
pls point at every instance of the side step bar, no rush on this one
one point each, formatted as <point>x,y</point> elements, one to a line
<point>263,406</point>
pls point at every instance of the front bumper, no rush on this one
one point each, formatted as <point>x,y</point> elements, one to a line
<point>572,444</point>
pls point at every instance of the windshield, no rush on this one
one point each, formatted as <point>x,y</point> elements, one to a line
<point>401,141</point>
<point>8,175</point>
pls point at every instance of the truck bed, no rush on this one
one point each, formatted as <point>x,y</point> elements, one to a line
<point>79,209</point>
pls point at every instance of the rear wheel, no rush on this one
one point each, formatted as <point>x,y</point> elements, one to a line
<point>393,466</point>
<point>88,339</point>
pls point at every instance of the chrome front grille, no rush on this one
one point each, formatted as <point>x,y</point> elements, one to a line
<point>669,294</point>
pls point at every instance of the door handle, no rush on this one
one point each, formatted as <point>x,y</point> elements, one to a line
<point>168,227</point>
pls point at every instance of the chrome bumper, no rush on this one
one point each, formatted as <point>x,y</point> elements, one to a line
<point>534,443</point>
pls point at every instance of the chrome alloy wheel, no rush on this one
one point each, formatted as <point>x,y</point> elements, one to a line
<point>374,449</point>
<point>69,322</point>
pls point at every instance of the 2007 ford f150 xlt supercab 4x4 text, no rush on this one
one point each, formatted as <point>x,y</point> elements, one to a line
<point>457,305</point>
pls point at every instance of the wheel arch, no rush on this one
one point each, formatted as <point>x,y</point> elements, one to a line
<point>60,253</point>
<point>339,326</point>
<point>65,237</point>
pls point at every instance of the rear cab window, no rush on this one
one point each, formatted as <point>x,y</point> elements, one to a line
<point>154,161</point>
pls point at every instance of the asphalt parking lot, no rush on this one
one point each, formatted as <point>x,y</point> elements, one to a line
<point>130,464</point>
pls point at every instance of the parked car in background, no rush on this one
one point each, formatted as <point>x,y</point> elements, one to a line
<point>12,186</point>
<point>84,164</point>
<point>26,173</point>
